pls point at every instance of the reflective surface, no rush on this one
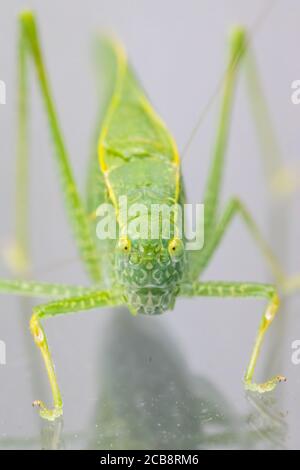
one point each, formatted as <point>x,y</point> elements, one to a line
<point>146,397</point>
<point>173,381</point>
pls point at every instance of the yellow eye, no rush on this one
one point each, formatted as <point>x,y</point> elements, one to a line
<point>175,247</point>
<point>124,244</point>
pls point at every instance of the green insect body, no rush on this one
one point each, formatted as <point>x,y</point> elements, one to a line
<point>139,161</point>
<point>134,156</point>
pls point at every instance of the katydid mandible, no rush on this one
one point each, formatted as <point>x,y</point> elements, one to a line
<point>135,156</point>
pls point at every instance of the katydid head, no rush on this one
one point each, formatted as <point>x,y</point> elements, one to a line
<point>150,272</point>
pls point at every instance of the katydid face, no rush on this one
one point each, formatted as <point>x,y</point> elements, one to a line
<point>150,272</point>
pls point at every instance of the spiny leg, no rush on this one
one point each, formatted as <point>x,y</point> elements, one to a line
<point>214,181</point>
<point>236,207</point>
<point>42,289</point>
<point>72,299</point>
<point>29,46</point>
<point>87,301</point>
<point>270,153</point>
<point>235,289</point>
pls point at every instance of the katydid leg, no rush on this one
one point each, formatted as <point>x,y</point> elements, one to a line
<point>59,307</point>
<point>235,289</point>
<point>236,207</point>
<point>270,149</point>
<point>29,48</point>
<point>42,289</point>
<point>72,299</point>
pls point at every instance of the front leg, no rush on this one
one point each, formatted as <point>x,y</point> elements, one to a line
<point>70,305</point>
<point>238,289</point>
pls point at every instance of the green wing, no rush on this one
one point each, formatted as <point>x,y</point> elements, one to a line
<point>106,70</point>
<point>131,128</point>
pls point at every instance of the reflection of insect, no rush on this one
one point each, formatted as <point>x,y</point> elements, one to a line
<point>136,152</point>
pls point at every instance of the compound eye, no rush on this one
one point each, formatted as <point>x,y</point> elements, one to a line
<point>175,247</point>
<point>124,245</point>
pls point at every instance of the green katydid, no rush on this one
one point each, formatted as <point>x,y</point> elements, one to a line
<point>134,147</point>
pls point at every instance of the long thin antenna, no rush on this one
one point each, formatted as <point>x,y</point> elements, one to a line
<point>256,26</point>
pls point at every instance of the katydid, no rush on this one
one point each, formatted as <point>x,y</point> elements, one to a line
<point>136,157</point>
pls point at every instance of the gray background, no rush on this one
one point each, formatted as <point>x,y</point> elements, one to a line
<point>172,381</point>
